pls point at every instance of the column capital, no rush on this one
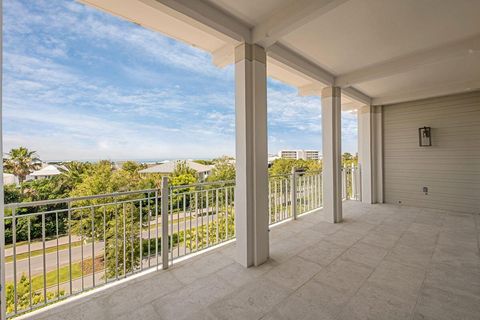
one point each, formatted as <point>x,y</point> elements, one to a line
<point>251,52</point>
<point>334,92</point>
<point>365,109</point>
<point>369,109</point>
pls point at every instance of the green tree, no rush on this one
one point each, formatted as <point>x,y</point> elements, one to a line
<point>21,162</point>
<point>12,194</point>
<point>73,174</point>
<point>218,231</point>
<point>35,190</point>
<point>182,175</point>
<point>114,220</point>
<point>348,159</point>
<point>223,170</point>
<point>284,166</point>
<point>23,295</point>
<point>100,180</point>
<point>43,189</point>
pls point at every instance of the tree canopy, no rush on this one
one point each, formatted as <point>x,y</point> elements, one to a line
<point>223,170</point>
<point>284,166</point>
<point>182,175</point>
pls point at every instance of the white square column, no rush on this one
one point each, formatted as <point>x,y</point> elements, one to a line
<point>332,149</point>
<point>251,191</point>
<point>370,153</point>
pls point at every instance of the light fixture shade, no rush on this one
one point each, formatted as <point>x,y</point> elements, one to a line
<point>425,137</point>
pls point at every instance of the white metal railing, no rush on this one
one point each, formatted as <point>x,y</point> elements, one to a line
<point>62,247</point>
<point>308,191</point>
<point>58,248</point>
<point>351,183</point>
<point>299,188</point>
<point>201,216</point>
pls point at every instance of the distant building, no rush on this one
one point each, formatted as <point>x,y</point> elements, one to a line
<point>312,155</point>
<point>47,171</point>
<point>168,167</point>
<point>300,154</point>
<point>288,154</point>
<point>9,178</point>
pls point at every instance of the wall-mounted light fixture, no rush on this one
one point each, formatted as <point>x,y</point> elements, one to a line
<point>425,137</point>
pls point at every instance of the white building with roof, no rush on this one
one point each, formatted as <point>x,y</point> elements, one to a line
<point>47,171</point>
<point>168,167</point>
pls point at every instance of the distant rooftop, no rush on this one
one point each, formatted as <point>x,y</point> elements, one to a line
<point>49,170</point>
<point>169,167</point>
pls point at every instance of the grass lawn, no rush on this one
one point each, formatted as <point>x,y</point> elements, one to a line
<point>64,276</point>
<point>24,255</point>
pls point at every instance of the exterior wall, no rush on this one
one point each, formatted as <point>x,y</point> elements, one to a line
<point>450,168</point>
<point>300,154</point>
<point>288,154</point>
<point>312,155</point>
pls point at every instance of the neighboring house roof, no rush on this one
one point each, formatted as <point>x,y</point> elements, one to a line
<point>169,167</point>
<point>50,170</point>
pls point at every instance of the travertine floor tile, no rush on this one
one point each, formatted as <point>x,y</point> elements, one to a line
<point>383,262</point>
<point>322,253</point>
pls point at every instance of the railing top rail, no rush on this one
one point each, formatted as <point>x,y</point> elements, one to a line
<point>224,182</point>
<point>75,199</point>
<point>309,172</point>
<point>280,175</point>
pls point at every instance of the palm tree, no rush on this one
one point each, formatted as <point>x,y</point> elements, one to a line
<point>72,174</point>
<point>22,162</point>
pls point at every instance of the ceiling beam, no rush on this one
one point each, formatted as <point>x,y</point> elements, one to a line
<point>357,95</point>
<point>352,93</point>
<point>301,64</point>
<point>453,50</point>
<point>350,106</point>
<point>203,13</point>
<point>283,21</point>
<point>223,56</point>
<point>290,17</point>
<point>444,89</point>
<point>313,89</point>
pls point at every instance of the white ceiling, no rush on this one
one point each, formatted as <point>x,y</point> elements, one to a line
<point>250,11</point>
<point>360,33</point>
<point>460,69</point>
<point>383,51</point>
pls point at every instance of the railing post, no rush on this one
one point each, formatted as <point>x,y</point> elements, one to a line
<point>3,299</point>
<point>164,213</point>
<point>293,191</point>
<point>359,181</point>
<point>354,182</point>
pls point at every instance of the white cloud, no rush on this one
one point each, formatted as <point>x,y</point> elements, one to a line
<point>287,109</point>
<point>62,111</point>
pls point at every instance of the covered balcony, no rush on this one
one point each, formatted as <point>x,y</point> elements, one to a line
<point>395,238</point>
<point>382,262</point>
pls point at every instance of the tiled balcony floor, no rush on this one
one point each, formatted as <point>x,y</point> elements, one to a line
<point>382,262</point>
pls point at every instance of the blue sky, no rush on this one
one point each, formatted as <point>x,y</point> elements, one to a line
<point>81,84</point>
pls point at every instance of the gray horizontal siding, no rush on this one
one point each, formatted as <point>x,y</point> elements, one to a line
<point>450,168</point>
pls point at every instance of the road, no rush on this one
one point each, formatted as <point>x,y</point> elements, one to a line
<point>36,262</point>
